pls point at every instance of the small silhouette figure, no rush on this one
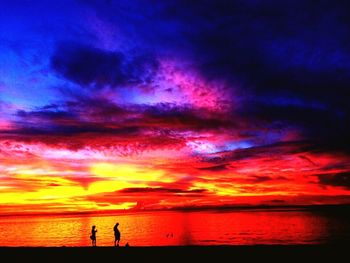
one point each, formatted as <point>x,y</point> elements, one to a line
<point>93,236</point>
<point>169,235</point>
<point>116,235</point>
<point>127,244</point>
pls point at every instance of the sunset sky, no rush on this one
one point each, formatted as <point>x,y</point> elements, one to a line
<point>123,104</point>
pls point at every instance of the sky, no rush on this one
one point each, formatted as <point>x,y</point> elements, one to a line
<point>108,105</point>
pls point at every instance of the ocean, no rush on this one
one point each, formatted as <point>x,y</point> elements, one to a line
<point>180,228</point>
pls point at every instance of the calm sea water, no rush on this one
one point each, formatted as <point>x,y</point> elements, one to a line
<point>179,228</point>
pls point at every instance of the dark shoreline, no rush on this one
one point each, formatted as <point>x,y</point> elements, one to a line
<point>278,253</point>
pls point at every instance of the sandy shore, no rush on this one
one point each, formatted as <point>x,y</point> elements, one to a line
<point>164,254</point>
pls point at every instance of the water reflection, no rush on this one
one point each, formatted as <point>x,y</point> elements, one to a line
<point>177,228</point>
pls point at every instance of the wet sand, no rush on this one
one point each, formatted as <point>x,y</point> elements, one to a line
<point>274,253</point>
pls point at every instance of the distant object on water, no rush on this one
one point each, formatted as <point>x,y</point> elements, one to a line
<point>169,235</point>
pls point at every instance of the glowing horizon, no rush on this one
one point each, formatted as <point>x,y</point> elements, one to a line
<point>107,109</point>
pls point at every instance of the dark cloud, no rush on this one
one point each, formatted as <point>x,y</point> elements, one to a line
<point>288,62</point>
<point>290,50</point>
<point>104,110</point>
<point>336,166</point>
<point>268,151</point>
<point>44,114</point>
<point>100,123</point>
<point>102,115</point>
<point>186,117</point>
<point>266,43</point>
<point>160,190</point>
<point>278,201</point>
<point>260,179</point>
<point>214,168</point>
<point>97,68</point>
<point>341,179</point>
<point>325,126</point>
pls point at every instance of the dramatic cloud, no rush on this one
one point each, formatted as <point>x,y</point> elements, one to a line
<point>338,179</point>
<point>153,105</point>
<point>93,67</point>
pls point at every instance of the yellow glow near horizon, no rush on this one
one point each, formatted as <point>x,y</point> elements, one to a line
<point>35,189</point>
<point>51,187</point>
<point>128,173</point>
<point>109,186</point>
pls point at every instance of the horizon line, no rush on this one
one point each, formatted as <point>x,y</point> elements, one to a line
<point>181,209</point>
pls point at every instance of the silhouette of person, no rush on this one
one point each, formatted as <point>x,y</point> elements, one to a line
<point>116,235</point>
<point>93,236</point>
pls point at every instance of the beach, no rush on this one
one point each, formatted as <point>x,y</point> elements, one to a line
<point>272,253</point>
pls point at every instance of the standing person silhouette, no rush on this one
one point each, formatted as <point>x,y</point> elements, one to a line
<point>116,235</point>
<point>93,236</point>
